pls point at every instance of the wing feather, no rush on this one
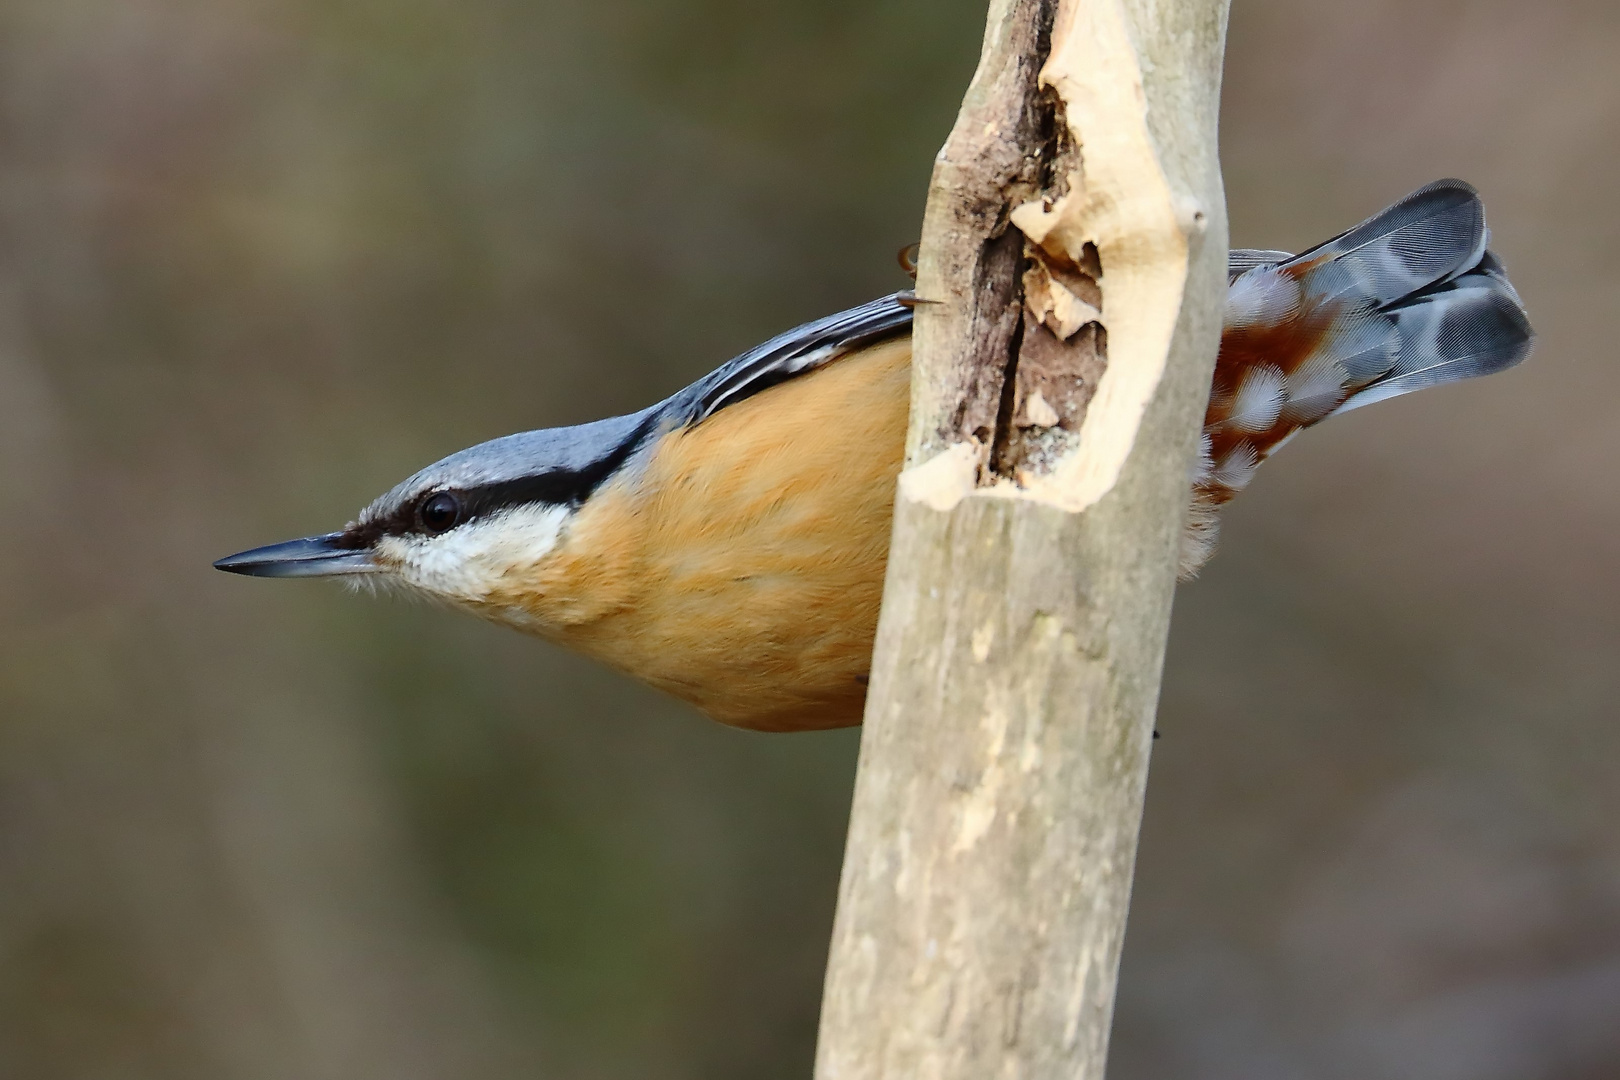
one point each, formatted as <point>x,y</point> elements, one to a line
<point>797,352</point>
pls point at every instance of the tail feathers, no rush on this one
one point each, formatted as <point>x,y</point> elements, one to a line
<point>1240,261</point>
<point>1472,325</point>
<point>1433,235</point>
<point>1408,299</point>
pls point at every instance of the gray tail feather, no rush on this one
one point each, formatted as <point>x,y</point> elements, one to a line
<point>1473,324</point>
<point>1408,299</point>
<point>1418,299</point>
<point>1433,235</point>
<point>1424,265</point>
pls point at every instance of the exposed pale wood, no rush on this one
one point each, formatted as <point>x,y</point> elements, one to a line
<point>1057,391</point>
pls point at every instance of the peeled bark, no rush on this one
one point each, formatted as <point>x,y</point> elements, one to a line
<point>1074,251</point>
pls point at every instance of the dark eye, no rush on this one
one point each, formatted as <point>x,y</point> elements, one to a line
<point>440,513</point>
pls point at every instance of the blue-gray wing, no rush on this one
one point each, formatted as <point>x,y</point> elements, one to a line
<point>797,352</point>
<point>816,344</point>
<point>1416,300</point>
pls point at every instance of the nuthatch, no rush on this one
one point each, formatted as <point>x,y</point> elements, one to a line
<point>727,545</point>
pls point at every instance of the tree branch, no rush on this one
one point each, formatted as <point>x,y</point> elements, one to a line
<point>1075,240</point>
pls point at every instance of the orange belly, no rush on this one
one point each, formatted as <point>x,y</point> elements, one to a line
<point>742,569</point>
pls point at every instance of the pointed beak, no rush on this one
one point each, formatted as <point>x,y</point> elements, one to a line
<point>313,556</point>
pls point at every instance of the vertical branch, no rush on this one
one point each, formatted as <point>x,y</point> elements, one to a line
<point>1075,240</point>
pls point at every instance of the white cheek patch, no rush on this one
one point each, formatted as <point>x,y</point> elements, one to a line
<point>470,561</point>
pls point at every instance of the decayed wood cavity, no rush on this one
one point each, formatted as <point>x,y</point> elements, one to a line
<point>971,260</point>
<point>1080,294</point>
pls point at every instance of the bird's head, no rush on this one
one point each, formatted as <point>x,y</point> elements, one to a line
<point>463,528</point>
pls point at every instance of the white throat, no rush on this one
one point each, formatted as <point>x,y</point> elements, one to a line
<point>470,562</point>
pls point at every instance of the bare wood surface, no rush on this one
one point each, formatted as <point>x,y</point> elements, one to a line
<point>1075,243</point>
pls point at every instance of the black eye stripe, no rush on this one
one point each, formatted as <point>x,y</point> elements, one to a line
<point>559,487</point>
<point>554,487</point>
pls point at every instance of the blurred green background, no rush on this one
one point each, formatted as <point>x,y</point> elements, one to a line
<point>259,259</point>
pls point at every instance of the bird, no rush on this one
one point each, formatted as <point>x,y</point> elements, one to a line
<point>728,544</point>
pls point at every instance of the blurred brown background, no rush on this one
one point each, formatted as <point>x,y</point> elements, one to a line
<point>259,259</point>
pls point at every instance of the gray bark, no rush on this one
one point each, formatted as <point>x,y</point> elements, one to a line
<point>1074,245</point>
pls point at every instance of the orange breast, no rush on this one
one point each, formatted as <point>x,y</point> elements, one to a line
<point>743,569</point>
